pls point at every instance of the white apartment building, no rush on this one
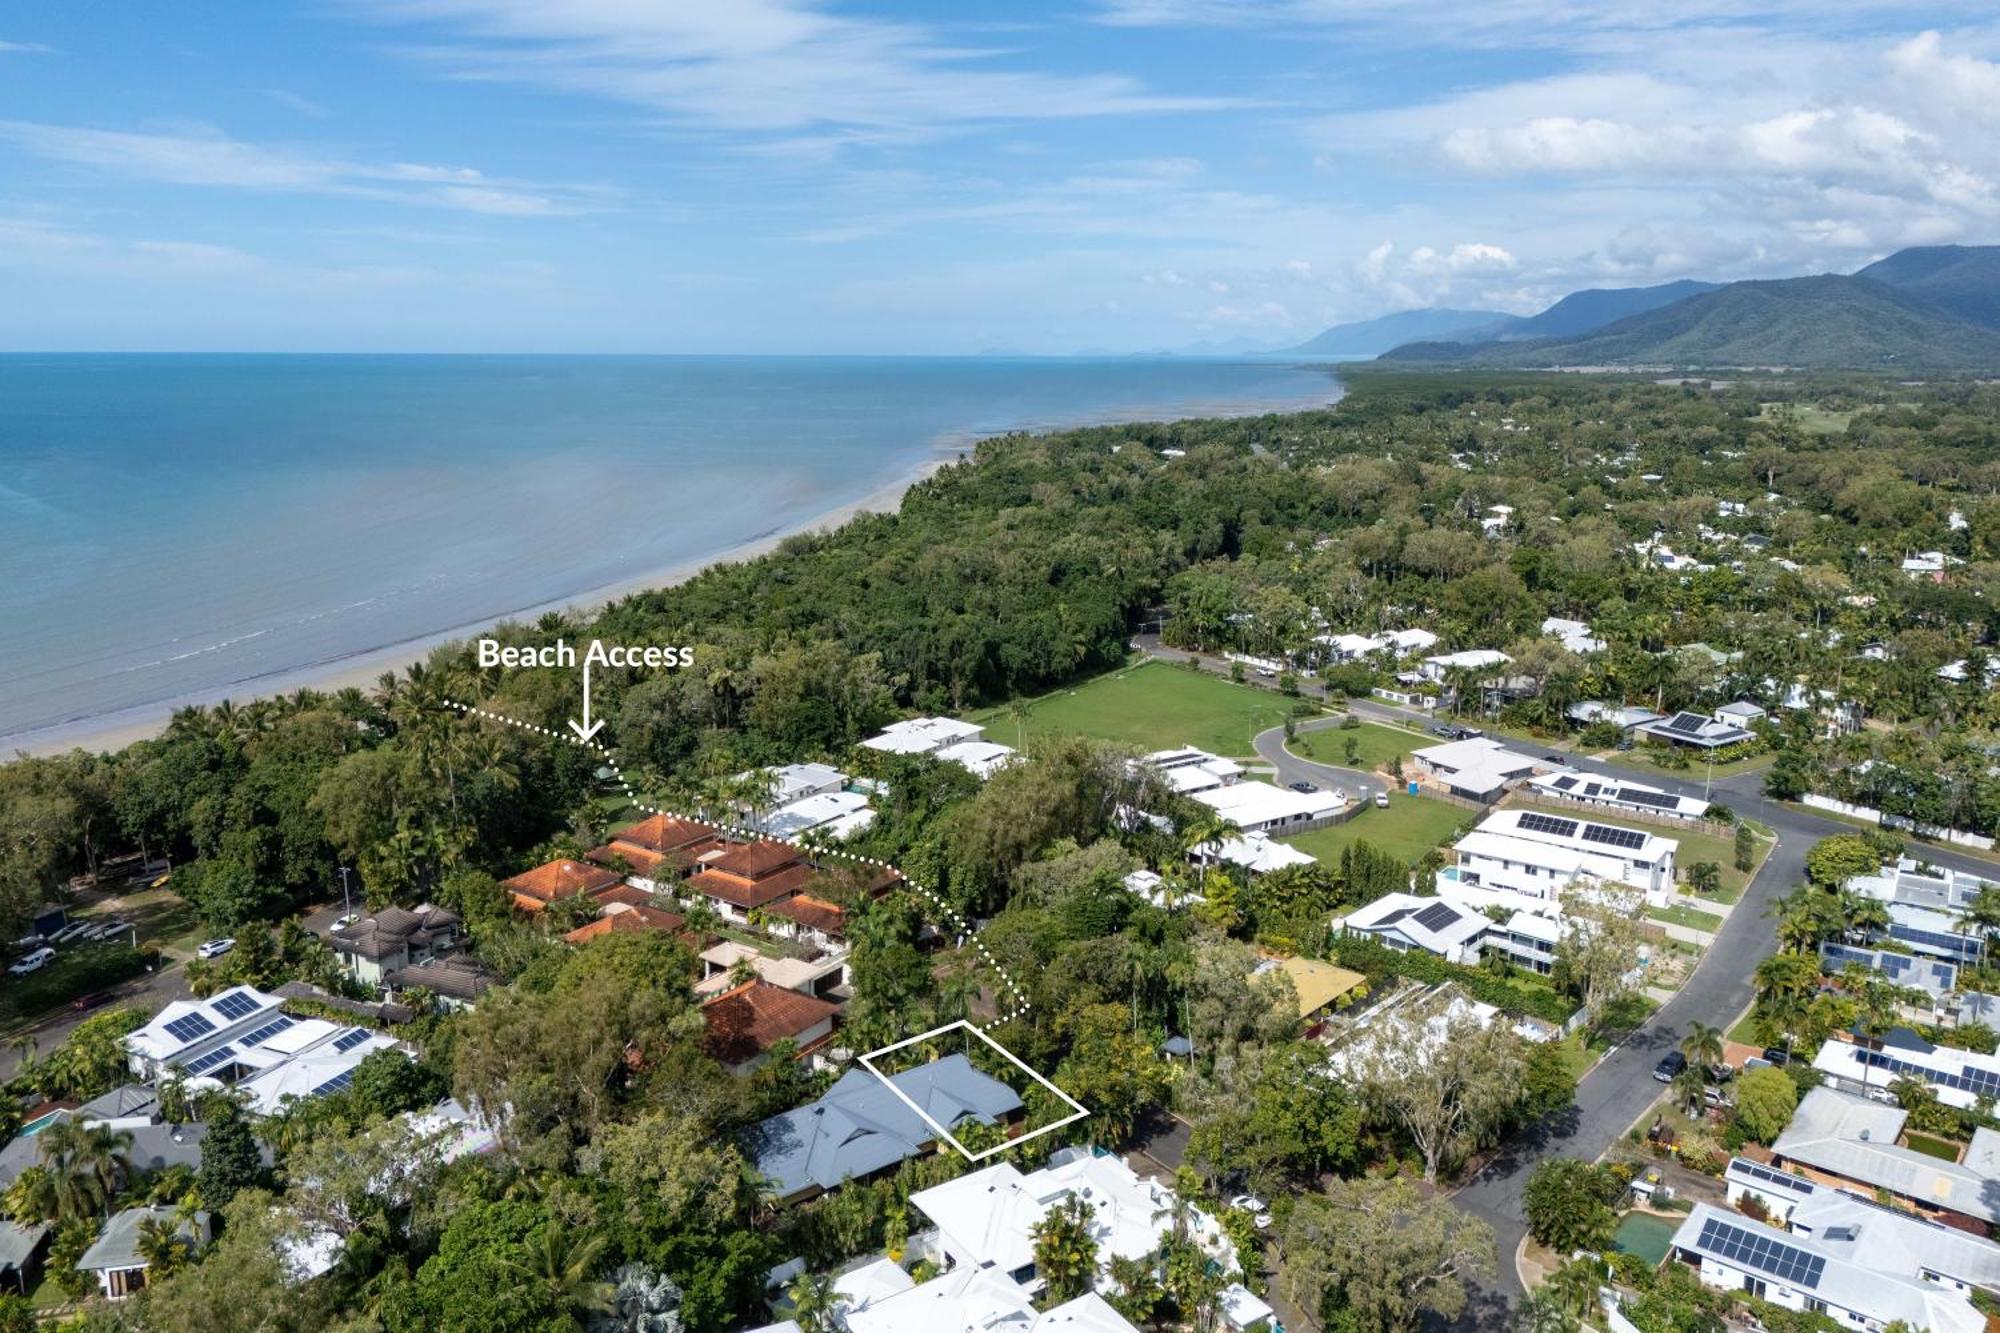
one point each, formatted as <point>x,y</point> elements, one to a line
<point>1541,855</point>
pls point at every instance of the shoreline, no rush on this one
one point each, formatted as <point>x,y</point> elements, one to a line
<point>114,731</point>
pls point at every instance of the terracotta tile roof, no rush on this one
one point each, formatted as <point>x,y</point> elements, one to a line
<point>625,894</point>
<point>633,919</point>
<point>812,912</point>
<point>642,862</point>
<point>662,833</point>
<point>744,893</point>
<point>749,1020</point>
<point>535,889</point>
<point>754,860</point>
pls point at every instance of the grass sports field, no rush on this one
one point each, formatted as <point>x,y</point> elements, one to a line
<point>1154,706</point>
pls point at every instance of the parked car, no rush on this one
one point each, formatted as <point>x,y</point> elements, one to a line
<point>1555,759</point>
<point>343,922</point>
<point>34,962</point>
<point>1381,800</point>
<point>1776,1056</point>
<point>1305,787</point>
<point>90,1001</point>
<point>215,948</point>
<point>1670,1066</point>
<point>1259,1211</point>
<point>1446,730</point>
<point>1715,1096</point>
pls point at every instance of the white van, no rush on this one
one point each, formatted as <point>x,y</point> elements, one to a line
<point>34,962</point>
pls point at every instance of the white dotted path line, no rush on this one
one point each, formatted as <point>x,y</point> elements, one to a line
<point>951,914</point>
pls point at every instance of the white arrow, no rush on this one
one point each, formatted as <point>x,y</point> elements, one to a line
<point>585,729</point>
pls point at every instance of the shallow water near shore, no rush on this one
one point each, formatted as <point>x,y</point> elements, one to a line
<point>172,527</point>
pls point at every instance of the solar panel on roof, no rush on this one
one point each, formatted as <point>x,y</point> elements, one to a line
<point>1686,723</point>
<point>210,1060</point>
<point>235,1005</point>
<point>266,1031</point>
<point>1563,784</point>
<point>1394,916</point>
<point>1757,1171</point>
<point>1539,823</point>
<point>338,1083</point>
<point>1437,916</point>
<point>1749,1249</point>
<point>189,1026</point>
<point>347,1041</point>
<point>1659,800</point>
<point>1610,836</point>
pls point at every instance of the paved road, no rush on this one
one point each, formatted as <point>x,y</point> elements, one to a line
<point>1621,1088</point>
<point>148,992</point>
<point>1358,785</point>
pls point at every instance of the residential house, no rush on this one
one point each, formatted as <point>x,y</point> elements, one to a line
<point>860,1127</point>
<point>1188,770</point>
<point>1575,635</point>
<point>982,758</point>
<point>1259,807</point>
<point>1318,986</point>
<point>1254,853</point>
<point>21,1250</point>
<point>1852,1142</point>
<point>821,977</point>
<point>748,877</point>
<point>1774,1191</point>
<point>1929,566</point>
<point>453,983</point>
<point>533,890</point>
<point>986,1218</point>
<point>1741,713</point>
<point>794,782</point>
<point>1542,854</point>
<point>1476,769</point>
<point>836,815</point>
<point>922,735</point>
<point>1850,1284</point>
<point>809,920</point>
<point>1926,906</point>
<point>1623,716</point>
<point>1440,668</point>
<point>746,1021</point>
<point>1405,922</point>
<point>1637,798</point>
<point>1933,977</point>
<point>1870,1065</point>
<point>1696,731</point>
<point>623,919</point>
<point>658,851</point>
<point>395,938</point>
<point>115,1258</point>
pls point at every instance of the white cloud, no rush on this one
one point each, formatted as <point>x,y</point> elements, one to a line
<point>21,48</point>
<point>782,69</point>
<point>214,159</point>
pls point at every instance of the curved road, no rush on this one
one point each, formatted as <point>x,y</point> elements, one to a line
<point>1620,1089</point>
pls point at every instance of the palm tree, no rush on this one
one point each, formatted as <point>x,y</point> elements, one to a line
<point>1691,1089</point>
<point>1575,1285</point>
<point>1702,1045</point>
<point>163,1246</point>
<point>85,1164</point>
<point>812,1298</point>
<point>563,1268</point>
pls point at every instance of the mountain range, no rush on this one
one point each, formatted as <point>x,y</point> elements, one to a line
<point>1925,308</point>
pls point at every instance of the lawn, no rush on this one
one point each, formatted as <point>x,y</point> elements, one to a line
<point>1374,745</point>
<point>1812,419</point>
<point>1943,1149</point>
<point>1696,767</point>
<point>1154,706</point>
<point>1694,846</point>
<point>1680,915</point>
<point>1410,827</point>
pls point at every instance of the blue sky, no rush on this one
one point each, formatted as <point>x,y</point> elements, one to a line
<point>783,176</point>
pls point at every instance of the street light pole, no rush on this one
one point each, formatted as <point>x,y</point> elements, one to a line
<point>346,899</point>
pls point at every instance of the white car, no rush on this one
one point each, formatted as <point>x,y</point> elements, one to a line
<point>215,948</point>
<point>343,922</point>
<point>34,962</point>
<point>1260,1212</point>
<point>1381,800</point>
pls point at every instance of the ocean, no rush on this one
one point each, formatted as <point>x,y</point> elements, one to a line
<point>180,528</point>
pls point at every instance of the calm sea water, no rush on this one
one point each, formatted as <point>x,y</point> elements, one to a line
<point>174,527</point>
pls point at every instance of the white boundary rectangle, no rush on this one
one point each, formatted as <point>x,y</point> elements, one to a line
<point>1078,1109</point>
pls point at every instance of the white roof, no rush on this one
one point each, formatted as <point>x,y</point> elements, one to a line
<point>1411,640</point>
<point>454,1132</point>
<point>189,1027</point>
<point>922,735</point>
<point>1429,923</point>
<point>1242,1308</point>
<point>789,781</point>
<point>1480,764</point>
<point>1259,854</point>
<point>1639,797</point>
<point>985,758</point>
<point>812,812</point>
<point>1538,827</point>
<point>1472,658</point>
<point>965,1300</point>
<point>1352,645</point>
<point>1251,805</point>
<point>870,1284</point>
<point>312,1074</point>
<point>1188,770</point>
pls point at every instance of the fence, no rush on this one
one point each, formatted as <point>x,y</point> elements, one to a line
<point>1957,837</point>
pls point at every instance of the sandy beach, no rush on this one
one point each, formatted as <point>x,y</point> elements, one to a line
<point>116,730</point>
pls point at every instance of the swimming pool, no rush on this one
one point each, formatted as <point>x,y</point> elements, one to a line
<point>40,1123</point>
<point>1646,1236</point>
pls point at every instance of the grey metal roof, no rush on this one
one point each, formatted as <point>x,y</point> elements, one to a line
<point>1845,1277</point>
<point>860,1126</point>
<point>17,1243</point>
<point>1855,1138</point>
<point>117,1246</point>
<point>133,1099</point>
<point>1878,1236</point>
